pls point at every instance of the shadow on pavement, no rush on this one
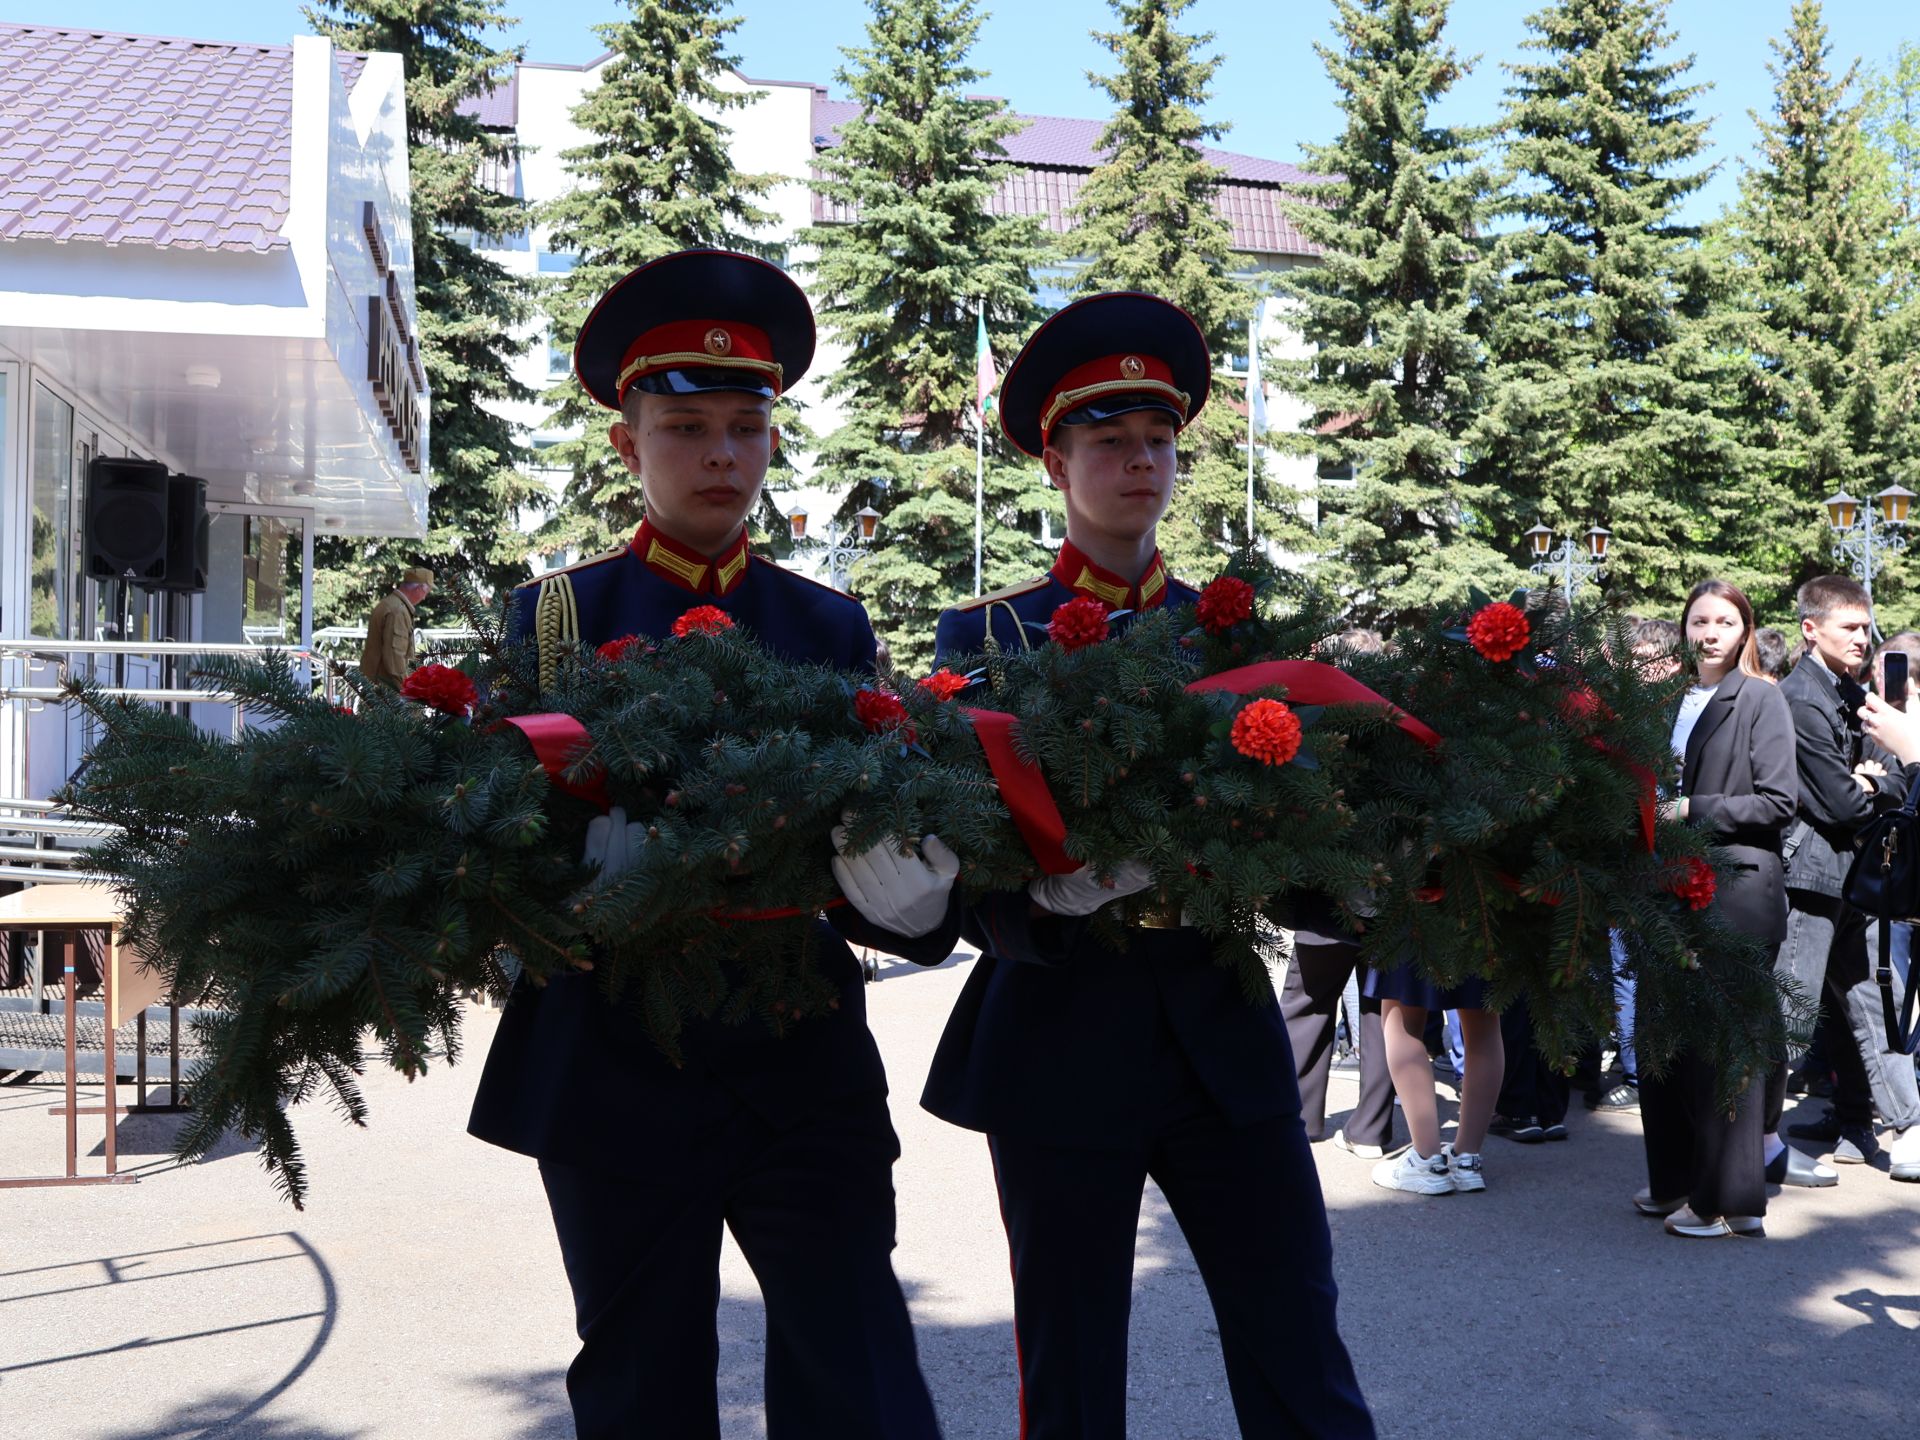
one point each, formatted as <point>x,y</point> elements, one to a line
<point>229,1417</point>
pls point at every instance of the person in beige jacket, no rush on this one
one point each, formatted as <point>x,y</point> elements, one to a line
<point>388,653</point>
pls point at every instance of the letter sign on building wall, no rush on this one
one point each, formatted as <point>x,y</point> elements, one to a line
<point>393,354</point>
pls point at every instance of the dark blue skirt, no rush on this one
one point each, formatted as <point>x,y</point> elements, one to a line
<point>1410,987</point>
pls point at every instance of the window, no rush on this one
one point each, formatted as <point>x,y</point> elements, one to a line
<point>559,360</point>
<point>50,478</point>
<point>557,262</point>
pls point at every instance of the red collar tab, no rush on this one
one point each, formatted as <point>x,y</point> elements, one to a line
<point>1111,375</point>
<point>687,567</point>
<point>701,344</point>
<point>1079,574</point>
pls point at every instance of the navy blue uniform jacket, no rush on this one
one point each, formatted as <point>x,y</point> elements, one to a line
<point>571,1077</point>
<point>1059,1037</point>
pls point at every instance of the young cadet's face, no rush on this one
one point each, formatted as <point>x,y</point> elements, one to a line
<point>700,459</point>
<point>1116,476</point>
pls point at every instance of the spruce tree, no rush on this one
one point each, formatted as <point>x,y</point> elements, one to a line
<point>1146,220</point>
<point>1812,233</point>
<point>900,284</point>
<point>1611,376</point>
<point>654,176</point>
<point>470,307</point>
<point>1396,378</point>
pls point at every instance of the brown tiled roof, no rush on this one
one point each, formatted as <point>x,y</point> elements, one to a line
<point>1055,155</point>
<point>144,140</point>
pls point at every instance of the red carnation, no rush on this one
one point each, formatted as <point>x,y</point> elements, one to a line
<point>1267,731</point>
<point>1078,623</point>
<point>1224,604</point>
<point>619,649</point>
<point>1694,883</point>
<point>1580,706</point>
<point>441,687</point>
<point>1499,631</point>
<point>880,711</point>
<point>703,620</point>
<point>944,684</point>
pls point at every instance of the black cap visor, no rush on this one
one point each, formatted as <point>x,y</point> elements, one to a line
<point>704,380</point>
<point>1112,407</point>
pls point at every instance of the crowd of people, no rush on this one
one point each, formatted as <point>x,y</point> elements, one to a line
<point>1782,755</point>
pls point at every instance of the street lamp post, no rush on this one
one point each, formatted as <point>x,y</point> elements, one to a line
<point>840,550</point>
<point>1860,544</point>
<point>1566,563</point>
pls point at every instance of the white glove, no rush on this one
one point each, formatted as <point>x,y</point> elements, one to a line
<point>611,842</point>
<point>902,894</point>
<point>1081,893</point>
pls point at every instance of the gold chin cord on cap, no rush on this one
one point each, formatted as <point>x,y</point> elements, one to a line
<point>1073,399</point>
<point>640,364</point>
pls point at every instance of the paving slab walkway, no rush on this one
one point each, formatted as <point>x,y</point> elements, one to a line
<point>420,1294</point>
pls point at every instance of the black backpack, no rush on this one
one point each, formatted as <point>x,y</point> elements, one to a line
<point>1884,881</point>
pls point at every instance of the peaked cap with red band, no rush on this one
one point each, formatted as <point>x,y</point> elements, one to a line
<point>1104,356</point>
<point>695,321</point>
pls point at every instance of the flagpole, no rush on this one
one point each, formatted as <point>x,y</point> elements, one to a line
<point>979,462</point>
<point>1256,403</point>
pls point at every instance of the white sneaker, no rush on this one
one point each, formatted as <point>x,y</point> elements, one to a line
<point>1465,1170</point>
<point>1416,1173</point>
<point>1905,1154</point>
<point>1365,1152</point>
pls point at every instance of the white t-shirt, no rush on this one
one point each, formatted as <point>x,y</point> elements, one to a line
<point>1691,704</point>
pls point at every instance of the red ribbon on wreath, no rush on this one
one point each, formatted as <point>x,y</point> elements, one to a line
<point>1024,788</point>
<point>558,741</point>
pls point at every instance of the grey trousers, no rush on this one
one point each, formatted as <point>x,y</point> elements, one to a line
<point>1826,951</point>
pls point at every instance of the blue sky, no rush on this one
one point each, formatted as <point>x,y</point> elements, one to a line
<point>1270,87</point>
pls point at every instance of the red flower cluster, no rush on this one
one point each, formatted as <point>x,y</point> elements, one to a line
<point>1580,706</point>
<point>1499,631</point>
<point>702,620</point>
<point>944,684</point>
<point>1078,623</point>
<point>880,711</point>
<point>1267,731</point>
<point>441,687</point>
<point>1224,604</point>
<point>623,647</point>
<point>1694,884</point>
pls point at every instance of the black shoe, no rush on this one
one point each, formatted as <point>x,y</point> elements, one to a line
<point>1623,1096</point>
<point>1794,1167</point>
<point>1555,1131</point>
<point>1826,1129</point>
<point>1525,1129</point>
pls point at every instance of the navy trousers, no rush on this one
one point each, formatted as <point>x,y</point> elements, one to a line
<point>812,1210</point>
<point>1249,1203</point>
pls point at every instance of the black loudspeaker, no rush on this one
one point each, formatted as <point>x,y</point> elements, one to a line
<point>126,520</point>
<point>186,534</point>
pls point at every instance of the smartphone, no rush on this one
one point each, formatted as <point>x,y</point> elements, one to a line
<point>1893,679</point>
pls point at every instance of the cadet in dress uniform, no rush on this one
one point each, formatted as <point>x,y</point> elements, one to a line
<point>1091,1069</point>
<point>786,1140</point>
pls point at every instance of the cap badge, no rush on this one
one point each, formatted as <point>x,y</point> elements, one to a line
<point>1133,367</point>
<point>718,341</point>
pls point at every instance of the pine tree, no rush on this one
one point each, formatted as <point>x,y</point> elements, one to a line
<point>1396,378</point>
<point>654,177</point>
<point>1812,233</point>
<point>1890,117</point>
<point>1146,220</point>
<point>901,284</point>
<point>470,307</point>
<point>1611,376</point>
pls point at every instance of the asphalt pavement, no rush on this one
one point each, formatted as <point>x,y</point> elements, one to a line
<point>420,1294</point>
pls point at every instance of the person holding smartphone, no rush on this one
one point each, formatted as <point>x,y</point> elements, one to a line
<point>1733,737</point>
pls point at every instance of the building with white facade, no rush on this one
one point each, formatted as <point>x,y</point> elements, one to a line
<point>205,263</point>
<point>781,131</point>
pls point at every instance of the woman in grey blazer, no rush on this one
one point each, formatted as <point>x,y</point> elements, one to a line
<point>1733,739</point>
